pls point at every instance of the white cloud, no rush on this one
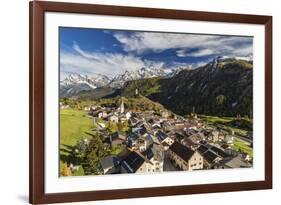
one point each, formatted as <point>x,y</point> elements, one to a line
<point>181,53</point>
<point>244,51</point>
<point>141,42</point>
<point>109,64</point>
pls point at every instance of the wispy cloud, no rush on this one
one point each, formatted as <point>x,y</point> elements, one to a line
<point>110,64</point>
<point>205,45</point>
<point>199,53</point>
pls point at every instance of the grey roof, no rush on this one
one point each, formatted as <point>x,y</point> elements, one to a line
<point>211,153</point>
<point>161,135</point>
<point>202,149</point>
<point>132,162</point>
<point>237,162</point>
<point>182,151</point>
<point>219,152</point>
<point>210,156</point>
<point>109,162</point>
<point>155,151</point>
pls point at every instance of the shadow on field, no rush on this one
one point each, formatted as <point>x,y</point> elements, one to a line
<point>68,155</point>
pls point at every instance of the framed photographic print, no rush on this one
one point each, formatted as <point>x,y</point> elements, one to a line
<point>139,102</point>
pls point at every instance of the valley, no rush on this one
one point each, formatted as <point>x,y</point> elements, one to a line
<point>146,116</point>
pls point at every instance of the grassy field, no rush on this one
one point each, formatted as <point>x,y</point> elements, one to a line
<point>242,145</point>
<point>224,123</point>
<point>216,119</point>
<point>73,126</point>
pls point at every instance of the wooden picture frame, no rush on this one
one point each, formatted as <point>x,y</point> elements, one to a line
<point>37,11</point>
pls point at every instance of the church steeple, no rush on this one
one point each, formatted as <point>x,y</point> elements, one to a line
<point>122,106</point>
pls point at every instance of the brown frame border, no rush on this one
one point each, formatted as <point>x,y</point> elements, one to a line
<point>36,101</point>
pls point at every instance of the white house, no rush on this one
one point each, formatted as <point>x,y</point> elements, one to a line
<point>165,114</point>
<point>229,139</point>
<point>102,114</point>
<point>214,136</point>
<point>154,158</point>
<point>185,158</point>
<point>149,161</point>
<point>168,140</point>
<point>128,115</point>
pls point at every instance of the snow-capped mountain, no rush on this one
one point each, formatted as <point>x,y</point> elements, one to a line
<point>74,83</point>
<point>119,80</point>
<point>92,81</point>
<point>174,72</point>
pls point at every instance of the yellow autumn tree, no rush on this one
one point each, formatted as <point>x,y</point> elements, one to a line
<point>66,170</point>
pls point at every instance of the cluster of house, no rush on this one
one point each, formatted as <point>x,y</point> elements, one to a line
<point>110,113</point>
<point>188,144</point>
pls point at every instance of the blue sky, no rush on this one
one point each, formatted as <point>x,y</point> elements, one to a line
<point>111,52</point>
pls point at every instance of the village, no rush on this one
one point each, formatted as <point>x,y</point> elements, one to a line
<point>163,142</point>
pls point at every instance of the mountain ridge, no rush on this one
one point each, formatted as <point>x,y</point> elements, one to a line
<point>221,87</point>
<point>75,83</point>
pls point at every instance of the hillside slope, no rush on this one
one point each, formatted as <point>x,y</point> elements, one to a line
<point>222,88</point>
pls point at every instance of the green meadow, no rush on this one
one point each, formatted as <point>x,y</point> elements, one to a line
<point>73,126</point>
<point>243,146</point>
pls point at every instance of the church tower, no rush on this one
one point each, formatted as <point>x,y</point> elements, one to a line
<point>122,106</point>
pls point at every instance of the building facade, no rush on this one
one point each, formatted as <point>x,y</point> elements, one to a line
<point>185,158</point>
